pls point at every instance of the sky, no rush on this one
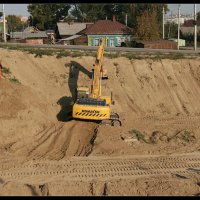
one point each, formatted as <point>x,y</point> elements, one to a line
<point>21,9</point>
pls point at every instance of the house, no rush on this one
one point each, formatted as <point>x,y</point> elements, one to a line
<point>115,33</point>
<point>189,30</point>
<point>30,35</point>
<point>69,32</point>
<point>182,19</point>
<point>188,27</point>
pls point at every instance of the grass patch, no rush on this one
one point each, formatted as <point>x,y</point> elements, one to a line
<point>6,70</point>
<point>76,54</point>
<point>175,56</point>
<point>132,56</point>
<point>157,136</point>
<point>138,135</point>
<point>184,135</point>
<point>187,136</point>
<point>39,52</point>
<point>62,54</point>
<point>7,74</point>
<point>15,80</point>
<point>112,55</point>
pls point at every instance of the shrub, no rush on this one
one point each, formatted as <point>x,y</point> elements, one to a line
<point>140,136</point>
<point>15,80</point>
<point>6,70</point>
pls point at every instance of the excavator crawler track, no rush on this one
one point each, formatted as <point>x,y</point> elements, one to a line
<point>113,121</point>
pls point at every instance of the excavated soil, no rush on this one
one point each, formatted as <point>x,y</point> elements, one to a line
<point>154,152</point>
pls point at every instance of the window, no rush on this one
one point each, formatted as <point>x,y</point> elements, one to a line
<point>112,42</point>
<point>96,42</point>
<point>118,41</point>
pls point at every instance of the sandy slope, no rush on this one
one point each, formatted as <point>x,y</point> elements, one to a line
<point>157,98</point>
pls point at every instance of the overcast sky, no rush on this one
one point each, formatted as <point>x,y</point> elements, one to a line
<point>21,9</point>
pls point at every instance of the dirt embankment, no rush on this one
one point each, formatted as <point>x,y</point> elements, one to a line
<point>157,100</point>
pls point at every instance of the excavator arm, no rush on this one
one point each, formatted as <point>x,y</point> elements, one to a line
<point>97,72</point>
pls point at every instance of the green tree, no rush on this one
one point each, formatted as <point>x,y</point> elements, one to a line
<point>171,30</point>
<point>88,12</point>
<point>94,12</point>
<point>45,16</point>
<point>14,23</point>
<point>198,15</point>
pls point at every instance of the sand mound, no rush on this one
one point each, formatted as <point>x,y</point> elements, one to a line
<point>151,96</point>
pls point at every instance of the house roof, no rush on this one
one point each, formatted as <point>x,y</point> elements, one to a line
<point>108,27</point>
<point>31,29</point>
<point>70,29</point>
<point>71,37</point>
<point>190,23</point>
<point>24,35</point>
<point>189,30</point>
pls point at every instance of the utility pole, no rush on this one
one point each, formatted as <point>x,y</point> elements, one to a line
<point>170,26</point>
<point>126,19</point>
<point>163,23</point>
<point>195,28</point>
<point>4,25</point>
<point>178,24</point>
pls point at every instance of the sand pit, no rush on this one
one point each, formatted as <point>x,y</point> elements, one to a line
<point>158,103</point>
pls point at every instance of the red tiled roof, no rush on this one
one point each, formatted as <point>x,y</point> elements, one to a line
<point>108,27</point>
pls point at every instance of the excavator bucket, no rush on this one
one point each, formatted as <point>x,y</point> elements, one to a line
<point>104,74</point>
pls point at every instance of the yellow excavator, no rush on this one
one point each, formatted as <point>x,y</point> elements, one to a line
<point>90,104</point>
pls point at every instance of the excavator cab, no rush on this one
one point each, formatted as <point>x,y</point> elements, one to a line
<point>82,92</point>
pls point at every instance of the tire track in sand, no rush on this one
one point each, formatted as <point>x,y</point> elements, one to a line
<point>57,141</point>
<point>100,168</point>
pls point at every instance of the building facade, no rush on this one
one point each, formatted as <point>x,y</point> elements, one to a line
<point>115,33</point>
<point>112,40</point>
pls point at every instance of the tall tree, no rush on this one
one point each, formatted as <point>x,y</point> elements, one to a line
<point>149,14</point>
<point>148,28</point>
<point>88,12</point>
<point>94,12</point>
<point>45,16</point>
<point>171,30</point>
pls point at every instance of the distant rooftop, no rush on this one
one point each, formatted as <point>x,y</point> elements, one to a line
<point>24,35</point>
<point>70,28</point>
<point>108,27</point>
